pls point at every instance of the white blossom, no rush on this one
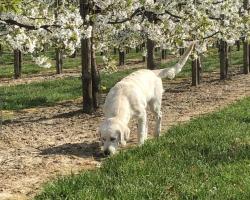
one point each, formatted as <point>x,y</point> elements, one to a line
<point>205,22</point>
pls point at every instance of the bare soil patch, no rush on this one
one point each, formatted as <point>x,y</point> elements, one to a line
<point>42,143</point>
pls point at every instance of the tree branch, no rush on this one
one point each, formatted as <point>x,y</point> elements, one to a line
<point>28,27</point>
<point>173,15</point>
<point>137,12</point>
<point>212,35</point>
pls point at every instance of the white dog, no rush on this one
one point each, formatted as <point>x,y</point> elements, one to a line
<point>130,98</point>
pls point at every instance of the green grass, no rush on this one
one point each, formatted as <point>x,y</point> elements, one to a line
<point>48,93</point>
<point>29,67</point>
<point>208,158</point>
<point>39,94</point>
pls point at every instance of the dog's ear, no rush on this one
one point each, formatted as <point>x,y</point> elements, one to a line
<point>126,133</point>
<point>121,138</point>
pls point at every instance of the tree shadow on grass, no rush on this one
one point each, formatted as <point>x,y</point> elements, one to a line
<point>82,150</point>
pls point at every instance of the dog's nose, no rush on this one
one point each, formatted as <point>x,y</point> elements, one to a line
<point>106,153</point>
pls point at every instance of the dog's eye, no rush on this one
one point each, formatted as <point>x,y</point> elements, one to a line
<point>102,140</point>
<point>112,139</point>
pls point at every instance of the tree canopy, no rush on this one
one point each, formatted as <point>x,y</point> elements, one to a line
<point>117,23</point>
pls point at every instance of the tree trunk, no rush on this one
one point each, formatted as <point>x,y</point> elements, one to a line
<point>142,47</point>
<point>218,45</point>
<point>246,57</point>
<point>17,64</point>
<point>127,50</point>
<point>246,47</point>
<point>227,51</point>
<point>86,77</point>
<point>121,58</point>
<point>1,50</point>
<point>196,72</point>
<point>87,88</point>
<point>238,45</point>
<point>224,60</point>
<point>74,54</point>
<point>144,59</point>
<point>59,61</point>
<point>163,54</point>
<point>150,54</point>
<point>181,51</point>
<point>20,62</point>
<point>199,70</point>
<point>96,80</point>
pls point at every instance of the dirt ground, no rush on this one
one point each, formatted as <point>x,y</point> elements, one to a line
<point>40,144</point>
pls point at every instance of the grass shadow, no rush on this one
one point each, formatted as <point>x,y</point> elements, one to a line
<point>234,153</point>
<point>246,120</point>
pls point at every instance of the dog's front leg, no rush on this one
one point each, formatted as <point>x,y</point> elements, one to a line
<point>142,128</point>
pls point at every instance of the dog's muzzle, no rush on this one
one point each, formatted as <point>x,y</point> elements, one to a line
<point>110,151</point>
<point>106,152</point>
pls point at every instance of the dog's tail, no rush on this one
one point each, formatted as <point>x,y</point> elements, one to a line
<point>173,71</point>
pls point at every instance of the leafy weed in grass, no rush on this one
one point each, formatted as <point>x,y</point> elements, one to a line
<point>208,158</point>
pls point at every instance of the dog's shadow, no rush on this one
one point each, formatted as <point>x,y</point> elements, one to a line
<point>82,150</point>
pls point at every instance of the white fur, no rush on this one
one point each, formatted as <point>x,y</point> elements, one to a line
<point>129,98</point>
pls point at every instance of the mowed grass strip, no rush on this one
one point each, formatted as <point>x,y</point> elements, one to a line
<point>208,158</point>
<point>48,93</point>
<point>39,94</point>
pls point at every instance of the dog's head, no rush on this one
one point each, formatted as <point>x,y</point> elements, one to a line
<point>113,132</point>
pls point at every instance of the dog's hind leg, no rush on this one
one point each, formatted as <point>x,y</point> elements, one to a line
<point>155,107</point>
<point>142,128</point>
<point>158,123</point>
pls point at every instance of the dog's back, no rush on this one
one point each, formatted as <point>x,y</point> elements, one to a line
<point>132,93</point>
